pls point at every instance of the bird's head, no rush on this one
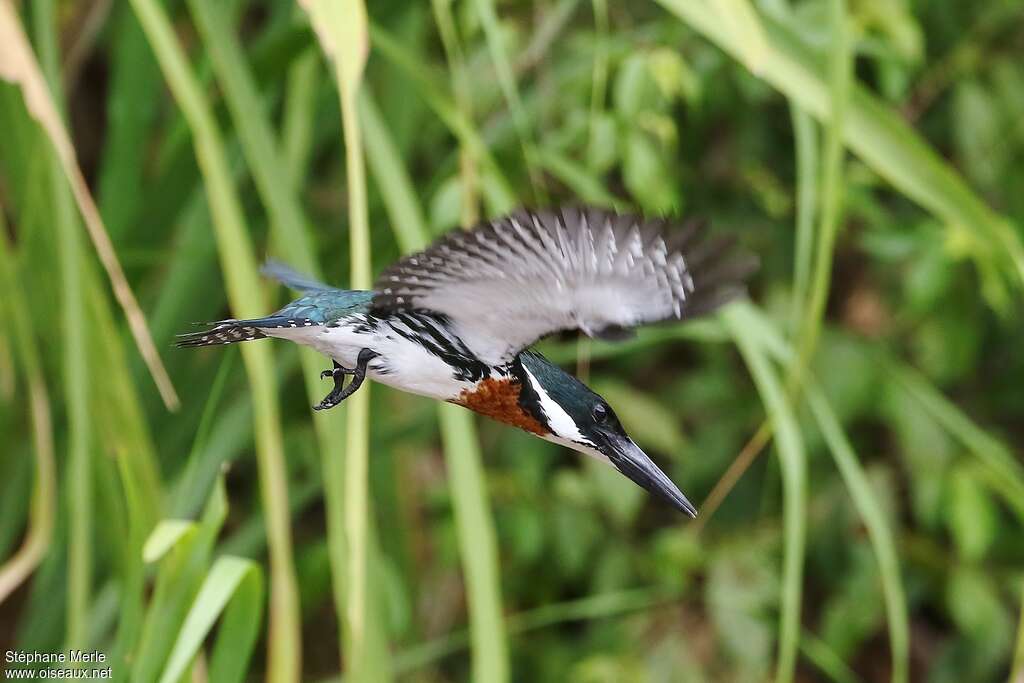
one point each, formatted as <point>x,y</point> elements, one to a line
<point>578,418</point>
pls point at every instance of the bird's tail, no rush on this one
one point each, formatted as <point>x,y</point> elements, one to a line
<point>232,331</point>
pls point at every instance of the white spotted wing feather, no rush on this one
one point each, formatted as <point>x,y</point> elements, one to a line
<point>509,282</point>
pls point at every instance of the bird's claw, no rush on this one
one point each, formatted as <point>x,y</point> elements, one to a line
<point>337,371</point>
<point>340,392</point>
<point>325,404</point>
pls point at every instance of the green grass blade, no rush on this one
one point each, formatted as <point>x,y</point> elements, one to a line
<point>592,607</point>
<point>297,120</point>
<point>475,528</point>
<point>182,550</point>
<point>235,587</point>
<point>462,128</point>
<point>867,505</point>
<point>462,88</point>
<point>243,287</point>
<point>1017,670</point>
<point>792,460</point>
<point>44,490</point>
<point>874,519</point>
<point>488,16</point>
<point>239,626</point>
<point>877,134</point>
<point>598,78</point>
<point>275,174</point>
<point>477,544</point>
<point>75,364</point>
<point>578,178</point>
<point>259,141</point>
<point>806,139</point>
<point>397,191</point>
<point>740,19</point>
<point>189,480</point>
<point>1004,470</point>
<point>42,96</point>
<point>165,536</point>
<point>343,33</point>
<point>840,66</point>
<point>352,47</point>
<point>122,422</point>
<point>132,104</point>
<point>827,661</point>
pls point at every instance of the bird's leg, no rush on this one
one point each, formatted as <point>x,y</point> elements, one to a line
<point>340,393</point>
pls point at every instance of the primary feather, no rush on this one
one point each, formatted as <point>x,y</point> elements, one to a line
<point>506,283</point>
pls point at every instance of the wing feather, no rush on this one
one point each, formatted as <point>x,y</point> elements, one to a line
<point>508,282</point>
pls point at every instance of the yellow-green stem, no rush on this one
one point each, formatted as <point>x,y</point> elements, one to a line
<point>76,368</point>
<point>357,493</point>
<point>243,287</point>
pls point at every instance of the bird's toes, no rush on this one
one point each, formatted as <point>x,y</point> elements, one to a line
<point>326,373</point>
<point>325,404</point>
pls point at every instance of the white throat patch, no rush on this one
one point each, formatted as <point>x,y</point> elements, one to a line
<point>565,431</point>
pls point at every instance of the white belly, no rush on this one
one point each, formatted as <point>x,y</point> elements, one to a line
<point>401,363</point>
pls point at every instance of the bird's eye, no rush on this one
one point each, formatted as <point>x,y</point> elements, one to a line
<point>600,413</point>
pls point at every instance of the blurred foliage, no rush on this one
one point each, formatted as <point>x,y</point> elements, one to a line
<point>910,434</point>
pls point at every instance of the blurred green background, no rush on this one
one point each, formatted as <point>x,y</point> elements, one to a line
<point>854,431</point>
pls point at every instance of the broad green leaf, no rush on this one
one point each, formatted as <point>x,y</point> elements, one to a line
<point>971,515</point>
<point>165,536</point>
<point>183,550</point>
<point>647,175</point>
<point>635,90</point>
<point>233,587</point>
<point>978,611</point>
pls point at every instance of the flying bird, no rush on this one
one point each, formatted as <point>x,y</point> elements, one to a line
<point>455,321</point>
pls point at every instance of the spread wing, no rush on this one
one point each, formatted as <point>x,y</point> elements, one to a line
<point>508,282</point>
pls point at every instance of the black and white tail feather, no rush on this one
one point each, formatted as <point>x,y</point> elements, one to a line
<point>223,332</point>
<point>233,331</point>
<point>511,281</point>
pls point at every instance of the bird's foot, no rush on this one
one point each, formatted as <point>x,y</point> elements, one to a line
<point>337,372</point>
<point>340,392</point>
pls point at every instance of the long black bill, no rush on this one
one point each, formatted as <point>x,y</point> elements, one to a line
<point>634,463</point>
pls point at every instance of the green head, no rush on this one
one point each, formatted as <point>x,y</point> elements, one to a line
<point>578,418</point>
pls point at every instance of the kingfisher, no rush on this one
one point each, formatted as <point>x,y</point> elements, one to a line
<point>456,321</point>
